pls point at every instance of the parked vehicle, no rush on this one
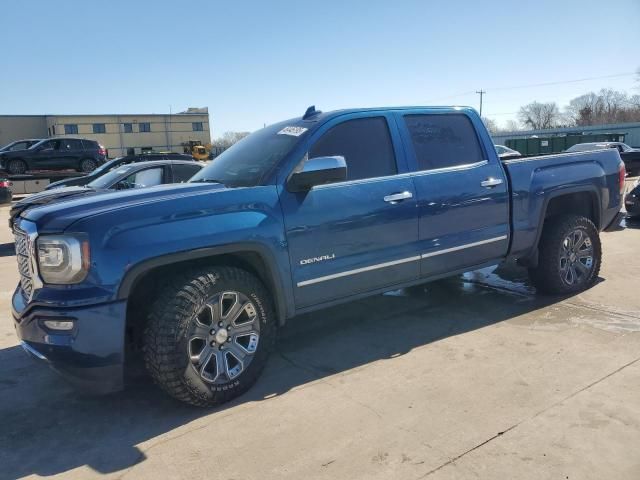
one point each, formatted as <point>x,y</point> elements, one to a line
<point>630,156</point>
<point>115,163</point>
<point>6,195</point>
<point>20,145</point>
<point>55,154</point>
<point>125,177</point>
<point>632,201</point>
<point>506,152</point>
<point>300,215</point>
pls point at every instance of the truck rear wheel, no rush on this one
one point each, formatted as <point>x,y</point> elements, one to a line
<point>17,167</point>
<point>209,334</point>
<point>570,255</point>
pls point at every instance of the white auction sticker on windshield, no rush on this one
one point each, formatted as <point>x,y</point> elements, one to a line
<point>295,131</point>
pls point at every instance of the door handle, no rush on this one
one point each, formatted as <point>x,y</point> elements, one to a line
<point>491,182</point>
<point>396,197</point>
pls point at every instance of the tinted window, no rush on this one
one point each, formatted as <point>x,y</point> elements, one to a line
<point>19,146</point>
<point>364,143</point>
<point>75,144</point>
<point>99,128</point>
<point>441,141</point>
<point>182,173</point>
<point>71,129</point>
<point>90,145</point>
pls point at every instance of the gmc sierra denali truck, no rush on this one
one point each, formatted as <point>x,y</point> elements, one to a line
<point>303,214</point>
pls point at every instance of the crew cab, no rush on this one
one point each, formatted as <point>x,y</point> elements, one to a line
<point>300,215</point>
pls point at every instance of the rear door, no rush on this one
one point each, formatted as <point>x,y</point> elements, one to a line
<point>351,237</point>
<point>463,197</point>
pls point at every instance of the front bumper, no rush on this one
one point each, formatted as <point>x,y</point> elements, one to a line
<point>90,356</point>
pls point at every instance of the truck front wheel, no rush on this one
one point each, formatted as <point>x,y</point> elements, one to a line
<point>570,255</point>
<point>209,334</point>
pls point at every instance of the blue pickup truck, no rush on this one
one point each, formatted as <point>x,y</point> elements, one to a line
<point>300,215</point>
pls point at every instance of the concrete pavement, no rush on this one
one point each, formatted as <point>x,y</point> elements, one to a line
<point>469,377</point>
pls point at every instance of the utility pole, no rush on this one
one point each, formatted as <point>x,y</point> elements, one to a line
<point>481,93</point>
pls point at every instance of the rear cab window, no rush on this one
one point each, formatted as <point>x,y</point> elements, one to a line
<point>443,140</point>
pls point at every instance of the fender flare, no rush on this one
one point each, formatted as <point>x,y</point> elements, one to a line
<point>275,284</point>
<point>589,189</point>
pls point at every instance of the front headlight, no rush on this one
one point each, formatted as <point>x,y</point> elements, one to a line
<point>63,259</point>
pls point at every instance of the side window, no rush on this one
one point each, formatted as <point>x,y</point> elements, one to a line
<point>75,144</point>
<point>143,178</point>
<point>182,173</point>
<point>365,144</point>
<point>55,144</point>
<point>65,145</point>
<point>19,146</point>
<point>444,140</point>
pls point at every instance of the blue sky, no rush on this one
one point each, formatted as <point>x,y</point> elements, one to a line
<point>256,62</point>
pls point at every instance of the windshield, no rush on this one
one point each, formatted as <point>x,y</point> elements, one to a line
<point>249,160</point>
<point>111,164</point>
<point>108,179</point>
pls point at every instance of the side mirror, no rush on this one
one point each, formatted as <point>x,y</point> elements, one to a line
<point>317,171</point>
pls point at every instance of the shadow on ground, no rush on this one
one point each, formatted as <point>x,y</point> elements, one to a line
<point>7,249</point>
<point>47,428</point>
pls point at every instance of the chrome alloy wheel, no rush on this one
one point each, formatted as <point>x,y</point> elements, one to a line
<point>576,257</point>
<point>224,337</point>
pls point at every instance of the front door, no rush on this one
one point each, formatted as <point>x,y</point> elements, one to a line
<point>359,235</point>
<point>463,197</point>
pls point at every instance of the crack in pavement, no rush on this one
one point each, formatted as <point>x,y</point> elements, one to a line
<point>535,415</point>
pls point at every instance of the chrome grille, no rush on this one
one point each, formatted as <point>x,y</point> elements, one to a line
<point>24,262</point>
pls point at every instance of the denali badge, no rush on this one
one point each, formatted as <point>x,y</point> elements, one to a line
<point>307,261</point>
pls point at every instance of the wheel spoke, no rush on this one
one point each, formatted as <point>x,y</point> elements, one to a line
<point>243,328</point>
<point>237,351</point>
<point>584,269</point>
<point>199,354</point>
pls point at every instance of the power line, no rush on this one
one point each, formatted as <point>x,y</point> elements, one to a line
<point>544,84</point>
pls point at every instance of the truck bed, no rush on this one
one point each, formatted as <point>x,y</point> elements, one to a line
<point>534,181</point>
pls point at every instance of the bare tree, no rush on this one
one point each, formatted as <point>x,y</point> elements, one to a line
<point>229,138</point>
<point>512,126</point>
<point>606,106</point>
<point>539,116</point>
<point>491,125</point>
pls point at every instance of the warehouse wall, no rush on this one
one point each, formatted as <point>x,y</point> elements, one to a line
<point>630,130</point>
<point>16,127</point>
<point>167,132</point>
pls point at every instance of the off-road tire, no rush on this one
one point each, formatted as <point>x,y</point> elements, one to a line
<point>547,276</point>
<point>17,167</point>
<point>88,165</point>
<point>170,319</point>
